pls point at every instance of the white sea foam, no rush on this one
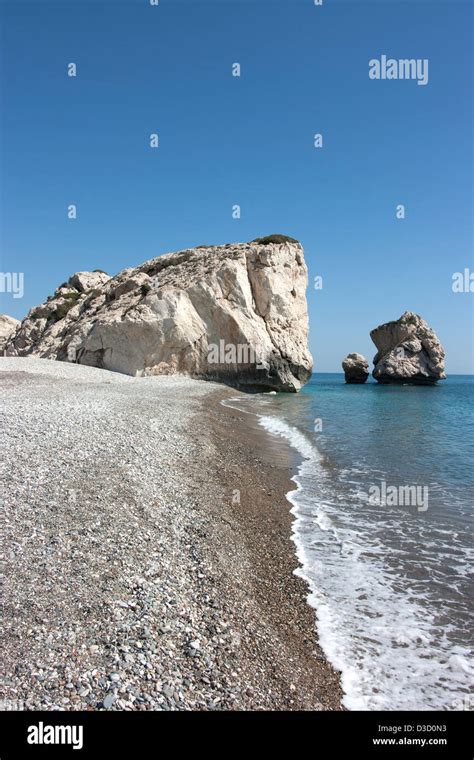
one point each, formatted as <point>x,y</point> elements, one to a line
<point>298,440</point>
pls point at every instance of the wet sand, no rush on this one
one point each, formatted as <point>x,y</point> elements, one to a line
<point>286,652</point>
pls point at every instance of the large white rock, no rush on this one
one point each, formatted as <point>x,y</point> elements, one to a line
<point>8,326</point>
<point>409,351</point>
<point>235,313</point>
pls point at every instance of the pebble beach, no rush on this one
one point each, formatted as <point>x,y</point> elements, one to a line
<point>135,579</point>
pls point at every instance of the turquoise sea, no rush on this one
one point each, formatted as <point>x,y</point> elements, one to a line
<point>383,531</point>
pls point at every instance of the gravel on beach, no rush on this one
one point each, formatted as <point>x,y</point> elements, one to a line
<point>127,568</point>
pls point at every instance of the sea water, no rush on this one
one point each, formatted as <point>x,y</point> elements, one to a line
<point>389,576</point>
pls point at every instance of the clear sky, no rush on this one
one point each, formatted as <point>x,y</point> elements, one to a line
<point>246,140</point>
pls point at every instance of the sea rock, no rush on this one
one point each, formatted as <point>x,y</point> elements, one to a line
<point>8,326</point>
<point>409,351</point>
<point>235,313</point>
<point>356,368</point>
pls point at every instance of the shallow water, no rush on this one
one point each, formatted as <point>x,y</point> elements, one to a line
<point>389,577</point>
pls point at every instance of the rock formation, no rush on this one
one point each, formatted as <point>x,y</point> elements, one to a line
<point>356,368</point>
<point>408,352</point>
<point>234,313</point>
<point>8,326</point>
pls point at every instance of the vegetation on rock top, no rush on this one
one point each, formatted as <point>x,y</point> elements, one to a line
<point>276,239</point>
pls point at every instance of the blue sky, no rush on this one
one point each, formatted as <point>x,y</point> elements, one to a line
<point>249,141</point>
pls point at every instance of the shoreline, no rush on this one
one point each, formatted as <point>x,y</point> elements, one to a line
<point>262,470</point>
<point>133,582</point>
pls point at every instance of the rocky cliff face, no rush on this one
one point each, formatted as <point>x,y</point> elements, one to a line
<point>356,368</point>
<point>235,313</point>
<point>8,326</point>
<point>409,351</point>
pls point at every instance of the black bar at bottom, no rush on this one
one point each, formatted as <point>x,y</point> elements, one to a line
<point>143,734</point>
